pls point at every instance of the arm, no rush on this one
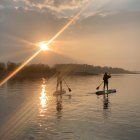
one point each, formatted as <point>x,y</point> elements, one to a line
<point>109,76</point>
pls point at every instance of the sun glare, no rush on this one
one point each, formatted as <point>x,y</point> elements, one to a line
<point>43,46</point>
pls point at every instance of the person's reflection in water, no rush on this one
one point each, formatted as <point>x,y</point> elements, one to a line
<point>106,107</point>
<point>105,101</point>
<point>59,106</point>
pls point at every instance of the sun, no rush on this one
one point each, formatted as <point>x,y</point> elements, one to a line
<point>44,46</point>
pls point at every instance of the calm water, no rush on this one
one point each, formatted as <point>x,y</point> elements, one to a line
<point>29,111</point>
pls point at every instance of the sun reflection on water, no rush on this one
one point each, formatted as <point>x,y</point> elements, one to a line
<point>43,98</point>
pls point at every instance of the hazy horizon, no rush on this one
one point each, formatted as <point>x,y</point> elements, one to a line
<point>106,34</point>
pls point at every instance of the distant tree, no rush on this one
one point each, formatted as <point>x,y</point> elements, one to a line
<point>2,68</point>
<point>11,66</point>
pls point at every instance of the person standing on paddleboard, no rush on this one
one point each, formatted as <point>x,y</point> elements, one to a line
<point>59,81</point>
<point>105,79</point>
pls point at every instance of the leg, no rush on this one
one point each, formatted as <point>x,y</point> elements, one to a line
<point>104,86</point>
<point>61,85</point>
<point>107,88</point>
<point>57,86</point>
<point>107,85</point>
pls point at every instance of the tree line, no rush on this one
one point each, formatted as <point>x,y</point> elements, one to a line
<point>44,70</point>
<point>29,71</point>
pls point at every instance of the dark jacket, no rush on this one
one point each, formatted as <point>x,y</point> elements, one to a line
<point>106,77</point>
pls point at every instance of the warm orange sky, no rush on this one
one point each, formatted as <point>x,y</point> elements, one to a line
<point>106,34</point>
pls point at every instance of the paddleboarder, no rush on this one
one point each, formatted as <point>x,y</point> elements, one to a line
<point>105,79</point>
<point>59,81</point>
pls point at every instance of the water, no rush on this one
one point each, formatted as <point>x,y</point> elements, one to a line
<point>29,111</point>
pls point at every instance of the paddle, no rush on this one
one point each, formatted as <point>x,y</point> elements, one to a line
<point>99,85</point>
<point>67,86</point>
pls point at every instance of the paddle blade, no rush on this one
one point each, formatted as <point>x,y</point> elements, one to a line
<point>97,88</point>
<point>69,89</point>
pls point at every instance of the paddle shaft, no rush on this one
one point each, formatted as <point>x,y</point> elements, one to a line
<point>100,85</point>
<point>67,85</point>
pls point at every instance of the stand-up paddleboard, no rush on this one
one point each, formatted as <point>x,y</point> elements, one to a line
<point>105,91</point>
<point>59,92</point>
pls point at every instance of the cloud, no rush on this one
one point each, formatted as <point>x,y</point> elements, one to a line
<point>58,5</point>
<point>64,8</point>
<point>67,8</point>
<point>61,8</point>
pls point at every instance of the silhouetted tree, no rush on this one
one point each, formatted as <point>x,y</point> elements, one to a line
<point>2,69</point>
<point>11,66</point>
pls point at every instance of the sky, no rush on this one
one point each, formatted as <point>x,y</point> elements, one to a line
<point>106,33</point>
